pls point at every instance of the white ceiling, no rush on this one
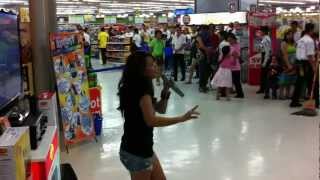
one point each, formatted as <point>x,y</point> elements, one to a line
<point>112,6</point>
<point>288,2</point>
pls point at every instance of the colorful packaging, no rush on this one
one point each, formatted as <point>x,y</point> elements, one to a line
<point>15,154</point>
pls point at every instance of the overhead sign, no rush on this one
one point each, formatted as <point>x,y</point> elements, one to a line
<point>89,18</point>
<point>138,20</point>
<point>162,19</point>
<point>232,6</point>
<point>76,19</point>
<point>110,20</point>
<point>214,18</point>
<point>178,12</point>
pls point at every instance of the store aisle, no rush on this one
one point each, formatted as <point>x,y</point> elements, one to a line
<point>249,139</point>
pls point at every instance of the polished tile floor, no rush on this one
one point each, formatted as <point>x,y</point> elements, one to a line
<point>249,139</point>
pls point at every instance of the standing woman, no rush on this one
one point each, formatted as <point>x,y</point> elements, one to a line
<point>138,107</point>
<point>288,77</point>
<point>236,75</point>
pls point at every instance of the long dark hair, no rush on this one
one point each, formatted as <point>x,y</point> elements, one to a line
<point>133,79</point>
<point>225,52</point>
<point>287,40</point>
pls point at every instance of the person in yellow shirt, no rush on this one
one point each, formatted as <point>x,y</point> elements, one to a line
<point>103,39</point>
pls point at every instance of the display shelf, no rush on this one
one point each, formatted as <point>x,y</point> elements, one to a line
<point>117,57</point>
<point>119,43</point>
<point>118,50</point>
<point>40,154</point>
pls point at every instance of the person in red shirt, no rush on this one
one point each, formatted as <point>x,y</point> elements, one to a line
<point>215,40</point>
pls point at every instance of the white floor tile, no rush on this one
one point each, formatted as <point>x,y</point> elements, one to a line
<point>249,139</point>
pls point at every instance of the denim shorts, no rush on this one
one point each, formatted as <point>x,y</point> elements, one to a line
<point>135,163</point>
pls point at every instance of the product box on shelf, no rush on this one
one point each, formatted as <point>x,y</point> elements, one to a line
<point>45,161</point>
<point>47,104</point>
<point>15,154</point>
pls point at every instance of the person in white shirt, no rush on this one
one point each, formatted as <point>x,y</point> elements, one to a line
<point>137,40</point>
<point>265,49</point>
<point>86,36</point>
<point>223,43</point>
<point>87,43</point>
<point>306,63</point>
<point>296,32</point>
<point>179,42</point>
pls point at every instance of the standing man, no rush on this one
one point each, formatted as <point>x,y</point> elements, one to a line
<point>87,47</point>
<point>103,39</point>
<point>137,40</point>
<point>179,42</point>
<point>306,63</point>
<point>265,49</point>
<point>157,49</point>
<point>204,40</point>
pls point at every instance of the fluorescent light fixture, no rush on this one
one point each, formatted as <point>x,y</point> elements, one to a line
<point>283,2</point>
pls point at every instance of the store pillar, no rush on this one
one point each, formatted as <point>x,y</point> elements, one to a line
<point>43,22</point>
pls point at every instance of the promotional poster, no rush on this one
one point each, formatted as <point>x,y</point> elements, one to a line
<point>73,87</point>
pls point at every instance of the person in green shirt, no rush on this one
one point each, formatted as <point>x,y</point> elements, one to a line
<point>157,50</point>
<point>103,38</point>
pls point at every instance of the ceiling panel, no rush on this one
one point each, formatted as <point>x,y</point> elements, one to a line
<point>112,6</point>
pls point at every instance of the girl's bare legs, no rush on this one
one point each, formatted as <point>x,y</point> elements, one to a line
<point>282,92</point>
<point>218,93</point>
<point>228,91</point>
<point>141,175</point>
<point>160,69</point>
<point>157,171</point>
<point>192,68</point>
<point>155,174</point>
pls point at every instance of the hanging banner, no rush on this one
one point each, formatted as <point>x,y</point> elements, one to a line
<point>73,86</point>
<point>89,18</point>
<point>76,19</point>
<point>162,19</point>
<point>138,20</point>
<point>110,20</point>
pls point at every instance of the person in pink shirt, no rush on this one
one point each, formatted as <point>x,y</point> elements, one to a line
<point>223,78</point>
<point>236,69</point>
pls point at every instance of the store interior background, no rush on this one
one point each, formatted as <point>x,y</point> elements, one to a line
<point>192,158</point>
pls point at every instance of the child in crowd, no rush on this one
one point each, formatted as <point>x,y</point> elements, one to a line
<point>286,83</point>
<point>223,77</point>
<point>273,72</point>
<point>197,55</point>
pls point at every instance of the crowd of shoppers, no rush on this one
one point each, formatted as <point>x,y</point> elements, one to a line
<point>289,72</point>
<point>213,54</point>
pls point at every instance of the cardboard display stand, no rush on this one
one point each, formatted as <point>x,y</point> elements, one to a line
<point>67,51</point>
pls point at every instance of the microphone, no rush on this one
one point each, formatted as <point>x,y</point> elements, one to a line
<point>171,84</point>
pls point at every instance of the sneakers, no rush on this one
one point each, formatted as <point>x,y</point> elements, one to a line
<point>238,96</point>
<point>295,104</point>
<point>203,90</point>
<point>260,92</point>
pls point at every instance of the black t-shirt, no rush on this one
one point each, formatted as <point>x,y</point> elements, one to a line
<point>138,136</point>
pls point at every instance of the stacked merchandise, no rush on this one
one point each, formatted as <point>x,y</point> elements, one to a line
<point>118,49</point>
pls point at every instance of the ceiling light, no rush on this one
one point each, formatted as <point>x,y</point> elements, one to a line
<point>282,2</point>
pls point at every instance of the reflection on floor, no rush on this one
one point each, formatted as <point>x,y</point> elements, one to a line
<point>249,139</point>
